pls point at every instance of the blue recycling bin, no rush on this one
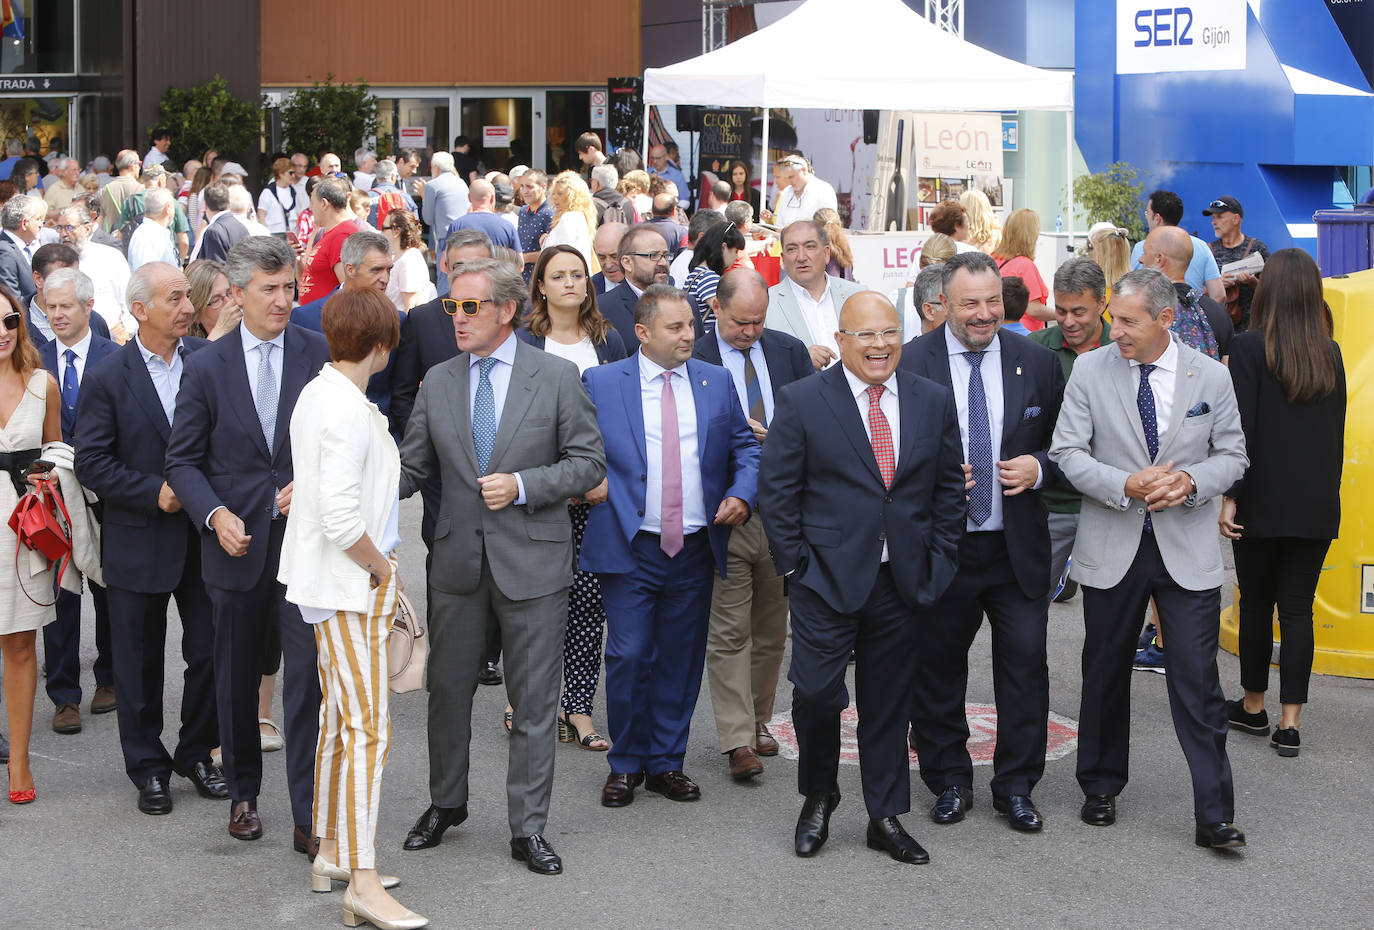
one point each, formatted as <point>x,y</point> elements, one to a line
<point>1345,240</point>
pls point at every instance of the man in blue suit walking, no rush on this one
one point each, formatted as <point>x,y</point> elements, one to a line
<point>70,297</point>
<point>682,466</point>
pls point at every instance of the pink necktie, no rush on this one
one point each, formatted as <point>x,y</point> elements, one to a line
<point>670,530</point>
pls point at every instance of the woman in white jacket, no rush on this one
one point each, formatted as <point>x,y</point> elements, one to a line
<point>339,566</point>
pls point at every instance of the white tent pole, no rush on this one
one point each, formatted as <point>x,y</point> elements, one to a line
<point>645,151</point>
<point>767,165</point>
<point>1068,166</point>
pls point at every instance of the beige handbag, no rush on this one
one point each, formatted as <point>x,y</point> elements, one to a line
<point>406,648</point>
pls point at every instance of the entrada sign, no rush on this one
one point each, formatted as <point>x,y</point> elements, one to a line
<point>1194,35</point>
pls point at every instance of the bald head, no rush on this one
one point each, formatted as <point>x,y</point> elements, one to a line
<point>665,205</point>
<point>604,244</point>
<point>741,306</point>
<point>873,356</point>
<point>481,195</point>
<point>1169,249</point>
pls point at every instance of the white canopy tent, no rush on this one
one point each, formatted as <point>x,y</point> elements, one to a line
<point>891,57</point>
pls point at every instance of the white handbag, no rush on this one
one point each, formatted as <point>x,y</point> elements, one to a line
<point>407,648</point>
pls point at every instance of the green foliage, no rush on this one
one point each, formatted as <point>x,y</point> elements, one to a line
<point>209,116</point>
<point>328,116</point>
<point>1113,196</point>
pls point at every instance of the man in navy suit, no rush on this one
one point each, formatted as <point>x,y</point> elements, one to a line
<point>149,548</point>
<point>229,463</point>
<point>681,465</point>
<point>222,231</point>
<point>70,297</point>
<point>862,495</point>
<point>644,257</point>
<point>46,259</point>
<point>748,606</point>
<point>1007,390</point>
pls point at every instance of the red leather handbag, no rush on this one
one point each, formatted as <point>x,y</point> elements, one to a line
<point>37,524</point>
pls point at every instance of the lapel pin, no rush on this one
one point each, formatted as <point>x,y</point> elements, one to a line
<point>1190,374</point>
<point>703,383</point>
<point>1018,370</point>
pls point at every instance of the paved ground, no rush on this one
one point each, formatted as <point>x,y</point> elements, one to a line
<point>82,855</point>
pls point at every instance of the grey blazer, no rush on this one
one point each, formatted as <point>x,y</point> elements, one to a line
<point>785,316</point>
<point>1099,443</point>
<point>547,433</point>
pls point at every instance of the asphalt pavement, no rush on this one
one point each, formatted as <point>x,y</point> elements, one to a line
<point>83,856</point>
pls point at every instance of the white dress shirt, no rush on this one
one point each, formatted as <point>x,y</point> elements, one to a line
<point>793,206</point>
<point>109,272</point>
<point>1162,382</point>
<point>499,376</point>
<point>151,242</point>
<point>733,361</point>
<point>166,378</point>
<point>82,350</point>
<point>651,399</point>
<point>822,316</point>
<point>888,405</point>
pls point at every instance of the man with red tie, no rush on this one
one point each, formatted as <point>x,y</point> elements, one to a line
<point>861,472</point>
<point>682,465</point>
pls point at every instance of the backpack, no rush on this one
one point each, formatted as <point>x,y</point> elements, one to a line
<point>386,202</point>
<point>1190,323</point>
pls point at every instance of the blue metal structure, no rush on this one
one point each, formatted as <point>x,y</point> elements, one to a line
<point>1272,136</point>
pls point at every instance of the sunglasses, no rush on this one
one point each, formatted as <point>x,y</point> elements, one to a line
<point>12,321</point>
<point>469,307</point>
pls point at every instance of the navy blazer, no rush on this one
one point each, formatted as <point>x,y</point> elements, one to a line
<point>217,455</point>
<point>826,510</point>
<point>47,353</point>
<point>1032,391</point>
<point>785,355</point>
<point>599,283</point>
<point>611,350</point>
<point>618,306</point>
<point>124,433</point>
<point>98,326</point>
<point>218,238</point>
<point>726,450</point>
<point>427,339</point>
<point>15,274</point>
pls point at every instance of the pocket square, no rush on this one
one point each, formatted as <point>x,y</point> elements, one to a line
<point>1199,409</point>
<point>1031,413</point>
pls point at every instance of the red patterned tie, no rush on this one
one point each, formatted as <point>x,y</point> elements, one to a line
<point>881,435</point>
<point>670,529</point>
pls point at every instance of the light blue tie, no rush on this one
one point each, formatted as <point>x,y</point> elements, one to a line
<point>267,404</point>
<point>979,443</point>
<point>484,415</point>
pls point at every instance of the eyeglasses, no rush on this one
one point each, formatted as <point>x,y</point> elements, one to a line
<point>216,300</point>
<point>68,227</point>
<point>868,337</point>
<point>654,257</point>
<point>469,307</point>
<point>12,321</point>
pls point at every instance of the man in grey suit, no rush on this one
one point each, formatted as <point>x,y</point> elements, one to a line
<point>445,199</point>
<point>1150,434</point>
<point>806,304</point>
<point>512,435</point>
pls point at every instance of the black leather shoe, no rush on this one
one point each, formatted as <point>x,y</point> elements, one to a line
<point>952,804</point>
<point>209,781</point>
<point>429,829</point>
<point>305,842</point>
<point>1219,835</point>
<point>489,675</point>
<point>886,835</point>
<point>1099,810</point>
<point>154,797</point>
<point>675,786</point>
<point>620,788</point>
<point>1020,811</point>
<point>813,826</point>
<point>536,853</point>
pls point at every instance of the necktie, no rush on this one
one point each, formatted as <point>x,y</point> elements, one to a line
<point>70,386</point>
<point>267,404</point>
<point>484,414</point>
<point>670,528</point>
<point>880,434</point>
<point>979,443</point>
<point>753,390</point>
<point>1145,403</point>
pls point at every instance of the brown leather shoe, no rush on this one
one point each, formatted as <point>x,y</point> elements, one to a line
<point>66,719</point>
<point>764,744</point>
<point>620,788</point>
<point>104,700</point>
<point>303,842</point>
<point>675,786</point>
<point>745,763</point>
<point>245,824</point>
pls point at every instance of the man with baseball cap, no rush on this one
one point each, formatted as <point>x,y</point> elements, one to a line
<point>1231,245</point>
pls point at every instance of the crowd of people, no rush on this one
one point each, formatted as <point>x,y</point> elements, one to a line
<point>637,457</point>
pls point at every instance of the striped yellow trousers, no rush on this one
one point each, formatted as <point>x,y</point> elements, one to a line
<point>355,729</point>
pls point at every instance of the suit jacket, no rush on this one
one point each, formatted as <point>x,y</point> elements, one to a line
<point>98,326</point>
<point>618,306</point>
<point>612,350</point>
<point>599,283</point>
<point>47,353</point>
<point>445,199</point>
<point>1099,443</point>
<point>217,455</point>
<point>786,316</point>
<point>120,457</point>
<point>727,453</point>
<point>825,508</point>
<point>787,358</point>
<point>427,339</point>
<point>1032,391</point>
<point>15,274</point>
<point>547,434</point>
<point>219,237</point>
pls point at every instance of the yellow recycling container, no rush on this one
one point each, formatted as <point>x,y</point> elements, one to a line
<point>1343,615</point>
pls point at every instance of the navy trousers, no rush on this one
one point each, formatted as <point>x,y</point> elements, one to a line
<point>62,647</point>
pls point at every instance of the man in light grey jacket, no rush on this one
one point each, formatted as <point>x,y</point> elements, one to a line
<point>1150,434</point>
<point>807,302</point>
<point>512,435</point>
